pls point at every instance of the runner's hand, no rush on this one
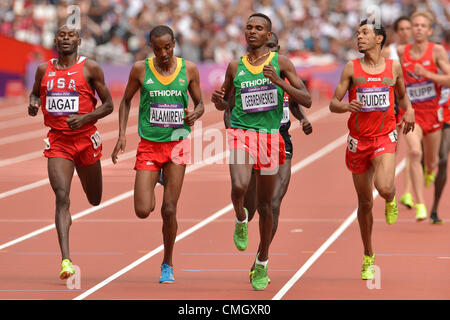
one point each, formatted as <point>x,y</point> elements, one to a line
<point>354,106</point>
<point>190,117</point>
<point>306,126</point>
<point>218,96</point>
<point>420,70</point>
<point>120,146</point>
<point>75,121</point>
<point>408,121</point>
<point>34,106</point>
<point>270,73</point>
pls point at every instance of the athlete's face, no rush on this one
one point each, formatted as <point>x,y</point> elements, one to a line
<point>273,45</point>
<point>163,48</point>
<point>257,32</point>
<point>67,41</point>
<point>404,32</point>
<point>367,39</point>
<point>421,28</point>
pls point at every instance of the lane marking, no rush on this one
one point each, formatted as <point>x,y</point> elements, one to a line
<point>350,219</point>
<point>300,165</point>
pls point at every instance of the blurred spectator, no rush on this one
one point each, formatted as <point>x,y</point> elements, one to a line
<point>311,31</point>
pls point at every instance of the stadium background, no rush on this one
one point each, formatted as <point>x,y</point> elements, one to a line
<point>317,35</point>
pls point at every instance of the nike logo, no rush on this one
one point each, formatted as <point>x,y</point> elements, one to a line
<point>96,154</point>
<point>71,73</point>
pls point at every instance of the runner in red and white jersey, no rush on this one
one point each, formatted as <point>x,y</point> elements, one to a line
<point>370,153</point>
<point>65,89</point>
<point>421,61</point>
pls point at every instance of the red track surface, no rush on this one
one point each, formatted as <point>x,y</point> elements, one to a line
<point>414,258</point>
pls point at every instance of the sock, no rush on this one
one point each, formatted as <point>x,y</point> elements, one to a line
<point>246,217</point>
<point>264,263</point>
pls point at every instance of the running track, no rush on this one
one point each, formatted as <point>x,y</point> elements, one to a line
<point>317,252</point>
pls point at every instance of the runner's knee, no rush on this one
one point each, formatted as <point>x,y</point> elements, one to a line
<point>365,205</point>
<point>62,198</point>
<point>143,212</point>
<point>415,155</point>
<point>168,210</point>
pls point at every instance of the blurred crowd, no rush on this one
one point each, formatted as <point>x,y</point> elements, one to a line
<point>312,32</point>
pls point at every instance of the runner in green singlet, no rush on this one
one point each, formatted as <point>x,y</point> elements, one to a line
<point>164,127</point>
<point>254,138</point>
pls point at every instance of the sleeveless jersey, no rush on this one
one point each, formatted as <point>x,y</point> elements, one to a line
<point>162,103</point>
<point>258,102</point>
<point>423,93</point>
<point>376,91</point>
<point>64,92</point>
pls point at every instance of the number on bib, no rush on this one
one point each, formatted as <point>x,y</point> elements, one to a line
<point>96,140</point>
<point>352,144</point>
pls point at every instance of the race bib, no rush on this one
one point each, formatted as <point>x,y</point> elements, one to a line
<point>285,118</point>
<point>261,98</point>
<point>166,115</point>
<point>352,144</point>
<point>96,140</point>
<point>440,114</point>
<point>393,136</point>
<point>444,95</point>
<point>62,103</point>
<point>374,99</point>
<point>422,91</point>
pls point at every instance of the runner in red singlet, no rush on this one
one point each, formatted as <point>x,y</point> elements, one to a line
<point>420,62</point>
<point>370,154</point>
<point>65,89</point>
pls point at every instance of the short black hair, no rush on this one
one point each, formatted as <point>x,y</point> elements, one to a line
<point>378,29</point>
<point>400,19</point>
<point>159,31</point>
<point>262,15</point>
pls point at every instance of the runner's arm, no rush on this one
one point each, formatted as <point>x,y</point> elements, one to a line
<point>97,81</point>
<point>295,88</point>
<point>220,97</point>
<point>35,100</point>
<point>298,113</point>
<point>133,85</point>
<point>336,104</point>
<point>195,93</point>
<point>229,109</point>
<point>443,64</point>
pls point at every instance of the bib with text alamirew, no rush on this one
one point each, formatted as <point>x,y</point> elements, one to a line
<point>166,115</point>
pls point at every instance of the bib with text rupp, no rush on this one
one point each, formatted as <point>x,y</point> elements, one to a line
<point>422,91</point>
<point>62,103</point>
<point>166,115</point>
<point>374,99</point>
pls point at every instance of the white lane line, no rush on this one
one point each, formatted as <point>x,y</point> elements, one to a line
<point>189,169</point>
<point>300,165</point>
<point>43,182</point>
<point>326,244</point>
<point>42,132</point>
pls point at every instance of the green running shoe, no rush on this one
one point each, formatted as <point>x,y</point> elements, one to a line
<point>67,269</point>
<point>260,279</point>
<point>407,200</point>
<point>368,271</point>
<point>421,212</point>
<point>429,179</point>
<point>391,211</point>
<point>240,235</point>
